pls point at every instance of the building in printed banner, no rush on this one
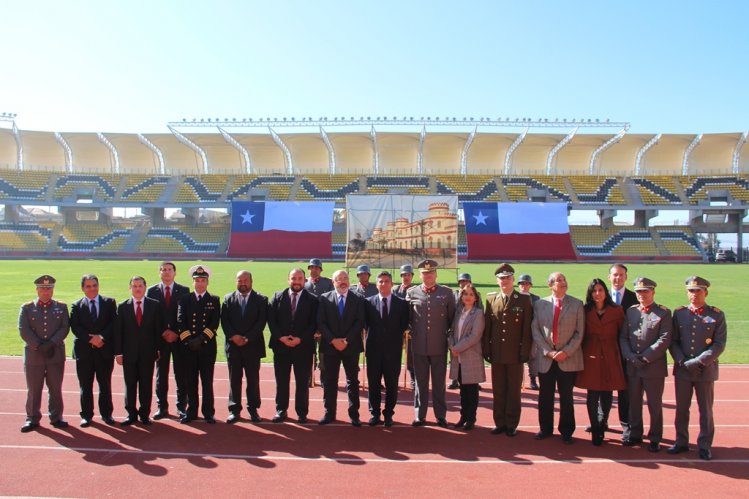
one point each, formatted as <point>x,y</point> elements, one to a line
<point>437,230</point>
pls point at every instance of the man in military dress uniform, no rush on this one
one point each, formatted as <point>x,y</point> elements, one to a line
<point>198,317</point>
<point>407,275</point>
<point>244,314</point>
<point>699,339</point>
<point>169,292</point>
<point>43,324</point>
<point>644,339</point>
<point>92,322</point>
<point>507,345</point>
<point>364,288</point>
<point>431,312</point>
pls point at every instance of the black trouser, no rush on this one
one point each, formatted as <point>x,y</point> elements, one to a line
<point>243,364</point>
<point>563,382</point>
<point>331,362</point>
<point>622,404</point>
<point>283,362</point>
<point>469,399</point>
<point>166,351</point>
<point>599,404</point>
<point>138,380</point>
<point>387,366</point>
<point>100,365</point>
<point>200,364</point>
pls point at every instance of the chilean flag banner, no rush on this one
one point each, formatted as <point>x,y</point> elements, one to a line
<point>281,229</point>
<point>518,231</point>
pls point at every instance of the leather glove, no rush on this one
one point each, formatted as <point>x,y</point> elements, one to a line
<point>195,343</point>
<point>693,366</point>
<point>638,363</point>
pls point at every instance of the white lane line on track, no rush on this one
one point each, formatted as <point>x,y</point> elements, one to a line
<point>172,454</point>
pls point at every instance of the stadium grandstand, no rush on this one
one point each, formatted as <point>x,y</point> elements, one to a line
<point>119,195</point>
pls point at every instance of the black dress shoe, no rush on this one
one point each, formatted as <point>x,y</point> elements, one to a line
<point>534,385</point>
<point>210,420</point>
<point>442,422</point>
<point>255,417</point>
<point>677,449</point>
<point>567,439</point>
<point>511,432</point>
<point>233,418</point>
<point>356,422</point>
<point>279,417</point>
<point>418,422</point>
<point>186,419</point>
<point>705,454</point>
<point>327,419</point>
<point>161,415</point>
<point>302,419</point>
<point>146,421</point>
<point>654,447</point>
<point>541,435</point>
<point>374,421</point>
<point>461,423</point>
<point>60,424</point>
<point>597,439</point>
<point>388,421</point>
<point>454,385</point>
<point>588,429</point>
<point>85,423</point>
<point>630,442</point>
<point>498,429</point>
<point>109,420</point>
<point>128,421</point>
<point>29,426</point>
<point>469,425</point>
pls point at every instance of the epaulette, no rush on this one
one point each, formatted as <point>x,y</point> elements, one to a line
<point>184,335</point>
<point>491,293</point>
<point>715,308</point>
<point>28,303</point>
<point>663,307</point>
<point>679,308</point>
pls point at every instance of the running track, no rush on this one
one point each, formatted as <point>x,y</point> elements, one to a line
<point>288,459</point>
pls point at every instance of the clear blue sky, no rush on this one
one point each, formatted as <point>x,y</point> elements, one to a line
<point>132,66</point>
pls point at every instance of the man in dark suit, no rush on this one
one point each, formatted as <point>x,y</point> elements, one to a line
<point>169,293</point>
<point>292,320</point>
<point>340,319</point>
<point>507,346</point>
<point>387,322</point>
<point>558,327</point>
<point>92,322</point>
<point>137,331</point>
<point>626,298</point>
<point>407,276</point>
<point>644,339</point>
<point>699,338</point>
<point>243,318</point>
<point>43,324</point>
<point>198,317</point>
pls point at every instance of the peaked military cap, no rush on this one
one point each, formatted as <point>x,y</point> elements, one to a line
<point>695,282</point>
<point>200,271</point>
<point>504,270</point>
<point>427,265</point>
<point>45,281</point>
<point>643,283</point>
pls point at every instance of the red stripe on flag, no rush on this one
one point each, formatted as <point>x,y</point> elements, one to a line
<point>520,247</point>
<point>280,244</point>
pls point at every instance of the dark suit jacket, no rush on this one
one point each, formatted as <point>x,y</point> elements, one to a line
<point>249,324</point>
<point>629,299</point>
<point>170,312</point>
<point>303,325</point>
<point>349,326</point>
<point>83,325</point>
<point>138,343</point>
<point>386,336</point>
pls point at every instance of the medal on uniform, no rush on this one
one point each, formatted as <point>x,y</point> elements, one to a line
<point>708,341</point>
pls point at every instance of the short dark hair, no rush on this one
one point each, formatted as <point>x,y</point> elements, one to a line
<point>138,278</point>
<point>89,277</point>
<point>174,267</point>
<point>618,265</point>
<point>385,273</point>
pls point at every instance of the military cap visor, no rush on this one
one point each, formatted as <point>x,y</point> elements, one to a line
<point>45,281</point>
<point>695,282</point>
<point>427,266</point>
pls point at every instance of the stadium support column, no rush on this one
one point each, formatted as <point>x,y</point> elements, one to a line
<point>192,215</point>
<point>607,218</point>
<point>11,213</point>
<point>155,214</point>
<point>642,218</point>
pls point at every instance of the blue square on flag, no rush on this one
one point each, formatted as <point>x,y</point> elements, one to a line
<point>481,218</point>
<point>247,216</point>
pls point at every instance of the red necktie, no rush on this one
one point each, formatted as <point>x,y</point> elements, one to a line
<point>138,313</point>
<point>168,295</point>
<point>293,304</point>
<point>555,328</point>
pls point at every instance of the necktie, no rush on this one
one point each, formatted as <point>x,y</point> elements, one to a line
<point>618,297</point>
<point>555,327</point>
<point>138,313</point>
<point>341,304</point>
<point>384,309</point>
<point>243,303</point>
<point>200,297</point>
<point>93,309</point>
<point>168,295</point>
<point>293,304</point>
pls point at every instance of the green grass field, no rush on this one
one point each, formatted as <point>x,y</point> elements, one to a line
<point>18,277</point>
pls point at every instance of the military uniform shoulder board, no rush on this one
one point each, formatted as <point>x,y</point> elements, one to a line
<point>490,294</point>
<point>28,303</point>
<point>679,308</point>
<point>663,307</point>
<point>716,309</point>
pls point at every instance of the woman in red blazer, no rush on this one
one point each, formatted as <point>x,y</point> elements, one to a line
<point>602,372</point>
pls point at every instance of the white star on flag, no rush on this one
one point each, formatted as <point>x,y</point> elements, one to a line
<point>246,217</point>
<point>480,218</point>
